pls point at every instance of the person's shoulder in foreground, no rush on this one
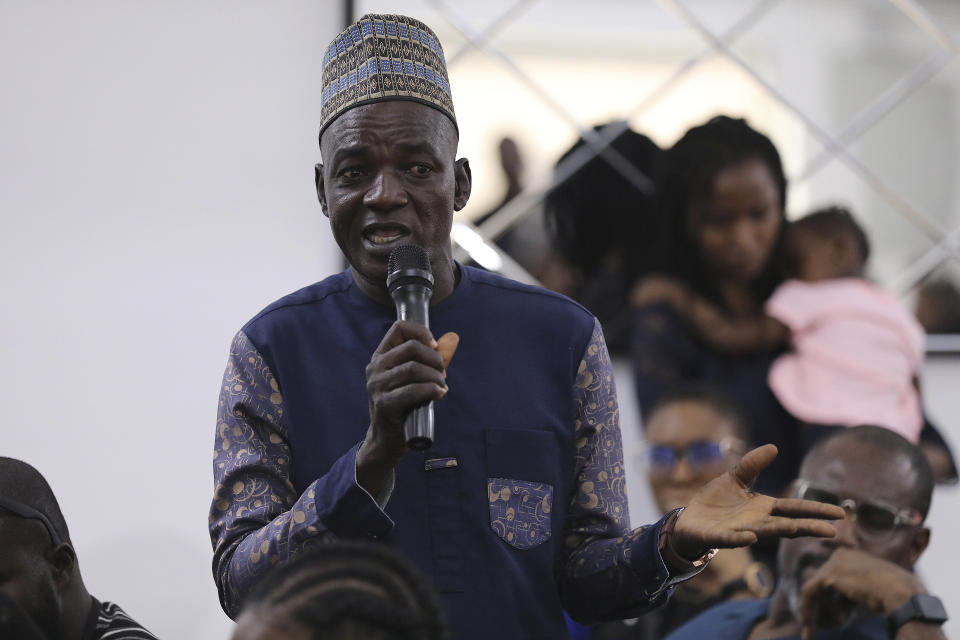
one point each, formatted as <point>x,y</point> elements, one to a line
<point>109,622</point>
<point>39,566</point>
<point>859,584</point>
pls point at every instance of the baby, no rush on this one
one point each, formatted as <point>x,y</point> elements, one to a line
<point>856,351</point>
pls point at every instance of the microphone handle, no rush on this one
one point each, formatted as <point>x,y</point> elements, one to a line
<point>412,303</point>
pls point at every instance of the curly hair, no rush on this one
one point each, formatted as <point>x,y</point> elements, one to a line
<point>834,221</point>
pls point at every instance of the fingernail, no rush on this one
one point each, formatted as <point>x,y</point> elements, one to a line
<point>433,343</point>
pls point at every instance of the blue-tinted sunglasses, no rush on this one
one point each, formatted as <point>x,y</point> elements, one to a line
<point>700,455</point>
<point>25,511</point>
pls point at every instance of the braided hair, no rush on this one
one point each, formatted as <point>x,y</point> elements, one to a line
<point>688,173</point>
<point>349,591</point>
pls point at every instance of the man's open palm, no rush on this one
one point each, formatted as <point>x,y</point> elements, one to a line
<point>726,514</point>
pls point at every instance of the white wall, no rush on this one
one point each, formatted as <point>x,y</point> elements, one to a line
<point>156,190</point>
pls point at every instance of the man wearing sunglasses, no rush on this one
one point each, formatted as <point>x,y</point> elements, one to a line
<point>859,584</point>
<point>38,565</point>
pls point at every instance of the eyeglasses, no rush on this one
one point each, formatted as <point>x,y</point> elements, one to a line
<point>24,511</point>
<point>877,520</point>
<point>700,455</point>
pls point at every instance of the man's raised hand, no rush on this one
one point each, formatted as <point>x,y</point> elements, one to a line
<point>726,514</point>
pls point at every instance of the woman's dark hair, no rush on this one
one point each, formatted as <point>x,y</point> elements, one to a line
<point>603,223</point>
<point>708,395</point>
<point>598,211</point>
<point>687,177</point>
<point>349,590</point>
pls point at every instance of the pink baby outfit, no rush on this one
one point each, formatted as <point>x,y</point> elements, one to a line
<point>856,351</point>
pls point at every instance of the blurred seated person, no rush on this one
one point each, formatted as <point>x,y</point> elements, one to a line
<point>14,621</point>
<point>599,222</point>
<point>856,350</point>
<point>859,584</point>
<point>694,434</point>
<point>39,568</point>
<point>938,306</point>
<point>342,591</point>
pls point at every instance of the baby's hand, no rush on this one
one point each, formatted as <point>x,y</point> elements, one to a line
<point>657,288</point>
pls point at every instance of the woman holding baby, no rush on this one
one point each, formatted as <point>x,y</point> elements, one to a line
<point>742,289</point>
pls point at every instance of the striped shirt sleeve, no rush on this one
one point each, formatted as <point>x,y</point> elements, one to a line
<point>113,623</point>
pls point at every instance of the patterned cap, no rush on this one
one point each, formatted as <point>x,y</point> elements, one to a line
<point>384,57</point>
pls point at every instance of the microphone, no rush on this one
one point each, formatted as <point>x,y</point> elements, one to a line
<point>410,284</point>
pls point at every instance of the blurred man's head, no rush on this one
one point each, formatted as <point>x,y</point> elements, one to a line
<point>938,306</point>
<point>885,484</point>
<point>38,566</point>
<point>692,435</point>
<point>342,591</point>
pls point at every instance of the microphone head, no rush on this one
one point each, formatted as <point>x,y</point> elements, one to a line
<point>409,264</point>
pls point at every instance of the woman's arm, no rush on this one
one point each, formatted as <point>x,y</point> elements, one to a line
<point>709,322</point>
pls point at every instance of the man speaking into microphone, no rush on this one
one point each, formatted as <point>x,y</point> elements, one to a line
<point>517,510</point>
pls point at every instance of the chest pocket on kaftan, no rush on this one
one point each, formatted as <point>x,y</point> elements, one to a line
<point>521,467</point>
